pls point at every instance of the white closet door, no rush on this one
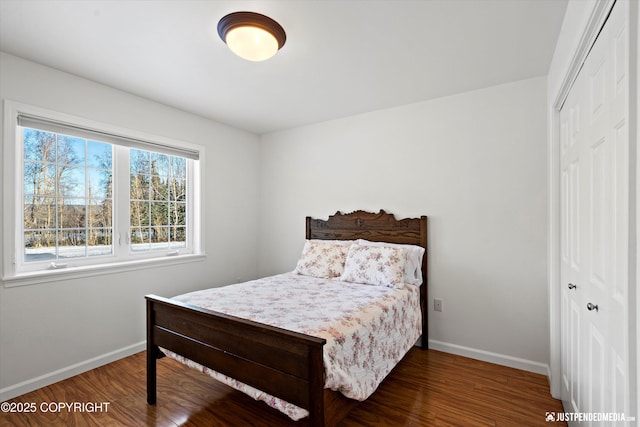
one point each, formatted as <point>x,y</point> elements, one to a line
<point>595,227</point>
<point>573,219</point>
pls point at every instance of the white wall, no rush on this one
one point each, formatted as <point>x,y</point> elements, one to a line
<point>475,164</point>
<point>52,330</point>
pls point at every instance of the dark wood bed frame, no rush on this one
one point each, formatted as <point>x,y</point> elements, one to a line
<point>282,363</point>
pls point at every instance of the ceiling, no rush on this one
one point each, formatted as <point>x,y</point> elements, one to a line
<point>342,57</point>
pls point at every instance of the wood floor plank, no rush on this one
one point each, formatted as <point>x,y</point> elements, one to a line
<point>428,388</point>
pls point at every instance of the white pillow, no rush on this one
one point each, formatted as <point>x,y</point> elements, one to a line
<point>322,259</point>
<point>375,265</point>
<point>413,263</point>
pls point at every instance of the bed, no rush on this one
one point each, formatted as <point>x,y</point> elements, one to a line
<point>285,364</point>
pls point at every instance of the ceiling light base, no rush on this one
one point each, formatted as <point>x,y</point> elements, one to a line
<point>252,36</point>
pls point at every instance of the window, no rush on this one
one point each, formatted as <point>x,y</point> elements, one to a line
<point>68,197</point>
<point>89,197</point>
<point>158,208</point>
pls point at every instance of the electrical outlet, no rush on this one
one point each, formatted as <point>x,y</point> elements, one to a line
<point>437,304</point>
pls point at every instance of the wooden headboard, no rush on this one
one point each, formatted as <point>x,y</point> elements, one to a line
<point>377,227</point>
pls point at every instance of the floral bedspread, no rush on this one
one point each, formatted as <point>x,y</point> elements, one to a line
<point>368,328</point>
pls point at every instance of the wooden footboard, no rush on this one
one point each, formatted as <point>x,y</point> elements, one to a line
<point>282,363</point>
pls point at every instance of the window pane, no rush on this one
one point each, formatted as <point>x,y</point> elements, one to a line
<point>159,238</point>
<point>179,167</point>
<point>71,181</point>
<point>39,245</point>
<point>139,161</point>
<point>100,213</point>
<point>39,146</point>
<point>139,239</point>
<point>178,237</point>
<point>30,171</point>
<point>71,150</point>
<point>100,155</point>
<point>39,178</point>
<point>159,164</point>
<point>178,189</point>
<point>100,183</point>
<point>178,214</point>
<point>159,214</point>
<point>39,212</point>
<point>159,188</point>
<point>139,214</point>
<point>139,235</point>
<point>72,243</point>
<point>100,242</point>
<point>71,213</point>
<point>139,187</point>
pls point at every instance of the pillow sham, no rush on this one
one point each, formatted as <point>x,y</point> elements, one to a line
<point>374,265</point>
<point>322,259</point>
<point>413,262</point>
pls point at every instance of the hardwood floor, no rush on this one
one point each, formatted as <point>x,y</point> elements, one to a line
<point>428,388</point>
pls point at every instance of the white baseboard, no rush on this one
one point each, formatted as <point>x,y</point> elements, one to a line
<point>487,356</point>
<point>69,371</point>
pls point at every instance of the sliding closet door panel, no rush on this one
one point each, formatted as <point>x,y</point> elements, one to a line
<point>594,157</point>
<point>618,134</point>
<point>572,220</point>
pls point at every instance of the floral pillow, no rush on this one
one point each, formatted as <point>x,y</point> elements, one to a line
<point>322,259</point>
<point>375,265</point>
<point>413,262</point>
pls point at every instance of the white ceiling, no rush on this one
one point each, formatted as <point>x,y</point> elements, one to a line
<point>341,57</point>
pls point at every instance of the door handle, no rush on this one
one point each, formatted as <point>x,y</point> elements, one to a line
<point>592,307</point>
<point>572,286</point>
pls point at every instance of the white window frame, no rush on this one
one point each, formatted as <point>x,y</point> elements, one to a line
<point>16,273</point>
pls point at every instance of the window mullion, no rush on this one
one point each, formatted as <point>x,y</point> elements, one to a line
<point>192,205</point>
<point>121,202</point>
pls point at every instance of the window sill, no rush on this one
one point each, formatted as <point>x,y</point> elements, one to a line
<point>34,278</point>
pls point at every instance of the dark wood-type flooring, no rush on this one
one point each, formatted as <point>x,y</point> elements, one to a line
<point>428,388</point>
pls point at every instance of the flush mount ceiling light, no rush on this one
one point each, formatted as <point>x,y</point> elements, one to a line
<point>251,36</point>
